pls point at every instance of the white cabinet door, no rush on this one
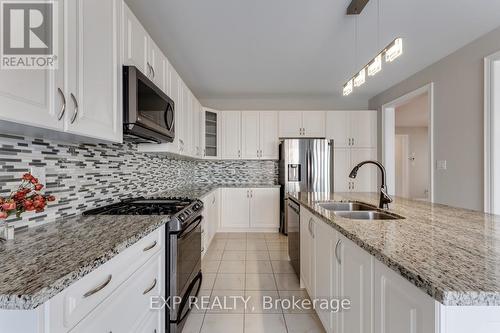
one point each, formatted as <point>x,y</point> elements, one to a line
<point>269,141</point>
<point>355,283</point>
<point>231,135</point>
<point>35,97</point>
<point>338,128</point>
<point>307,251</point>
<point>325,269</point>
<point>157,61</point>
<point>290,124</point>
<point>366,180</point>
<point>250,147</point>
<point>94,69</point>
<point>341,170</point>
<point>264,208</point>
<point>364,129</point>
<point>235,208</point>
<point>135,42</point>
<point>400,307</point>
<point>313,124</point>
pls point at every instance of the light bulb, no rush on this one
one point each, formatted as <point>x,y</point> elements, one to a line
<point>360,78</point>
<point>375,65</point>
<point>347,88</point>
<point>394,50</point>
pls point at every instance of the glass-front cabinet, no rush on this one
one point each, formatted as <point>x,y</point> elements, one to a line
<point>211,137</point>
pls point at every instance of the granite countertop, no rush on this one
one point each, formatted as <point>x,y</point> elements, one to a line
<point>44,260</point>
<point>451,254</point>
<point>200,190</point>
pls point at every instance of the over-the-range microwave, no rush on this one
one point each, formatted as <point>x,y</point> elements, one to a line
<point>148,113</point>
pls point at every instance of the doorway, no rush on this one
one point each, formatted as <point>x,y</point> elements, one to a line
<point>407,144</point>
<point>492,134</point>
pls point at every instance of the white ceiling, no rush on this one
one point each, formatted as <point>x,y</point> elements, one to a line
<point>414,113</point>
<point>229,51</point>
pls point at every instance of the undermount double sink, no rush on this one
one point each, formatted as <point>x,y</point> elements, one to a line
<point>358,211</point>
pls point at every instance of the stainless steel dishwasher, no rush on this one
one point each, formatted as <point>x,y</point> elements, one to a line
<point>293,219</point>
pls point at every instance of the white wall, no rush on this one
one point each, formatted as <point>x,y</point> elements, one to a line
<point>458,119</point>
<point>419,168</point>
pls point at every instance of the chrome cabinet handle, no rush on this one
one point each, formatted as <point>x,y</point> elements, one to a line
<point>353,141</point>
<point>150,288</point>
<point>98,288</point>
<point>251,193</point>
<point>63,108</point>
<point>153,70</point>
<point>202,249</point>
<point>147,248</point>
<point>337,252</point>
<point>73,118</point>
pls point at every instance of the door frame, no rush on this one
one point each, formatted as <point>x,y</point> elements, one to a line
<point>406,165</point>
<point>389,136</point>
<point>491,142</point>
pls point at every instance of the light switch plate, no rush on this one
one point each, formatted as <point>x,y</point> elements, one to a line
<point>441,165</point>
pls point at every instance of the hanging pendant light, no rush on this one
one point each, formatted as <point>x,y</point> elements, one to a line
<point>390,53</point>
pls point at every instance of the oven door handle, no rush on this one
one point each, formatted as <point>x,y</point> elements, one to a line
<point>187,232</point>
<point>185,300</point>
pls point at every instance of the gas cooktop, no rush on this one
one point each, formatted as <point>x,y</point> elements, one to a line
<point>144,206</point>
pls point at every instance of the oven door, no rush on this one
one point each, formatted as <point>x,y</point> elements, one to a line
<point>186,277</point>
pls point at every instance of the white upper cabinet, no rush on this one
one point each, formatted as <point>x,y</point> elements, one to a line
<point>135,42</point>
<point>313,124</point>
<point>231,134</point>
<point>352,128</point>
<point>157,63</point>
<point>338,128</point>
<point>296,124</point>
<point>259,134</point>
<point>343,166</point>
<point>35,97</point>
<point>94,69</point>
<point>290,124</point>
<point>250,148</point>
<point>269,141</point>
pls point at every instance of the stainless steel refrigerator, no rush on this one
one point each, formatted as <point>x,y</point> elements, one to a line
<point>305,165</point>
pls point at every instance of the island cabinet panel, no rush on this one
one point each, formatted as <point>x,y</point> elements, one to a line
<point>355,282</point>
<point>307,252</point>
<point>400,307</point>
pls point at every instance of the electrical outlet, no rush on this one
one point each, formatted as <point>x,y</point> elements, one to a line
<point>441,165</point>
<point>40,173</point>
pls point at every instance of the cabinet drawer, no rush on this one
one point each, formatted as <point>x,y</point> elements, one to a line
<point>129,304</point>
<point>79,299</point>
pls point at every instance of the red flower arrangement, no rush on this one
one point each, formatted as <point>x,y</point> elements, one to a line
<point>26,199</point>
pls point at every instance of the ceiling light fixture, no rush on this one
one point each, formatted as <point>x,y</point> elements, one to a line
<point>394,50</point>
<point>348,88</point>
<point>375,65</point>
<point>391,52</point>
<point>360,78</point>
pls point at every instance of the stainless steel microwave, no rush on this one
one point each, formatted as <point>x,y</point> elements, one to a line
<point>148,113</point>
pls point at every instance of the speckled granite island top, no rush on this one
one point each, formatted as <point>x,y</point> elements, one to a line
<point>451,254</point>
<point>43,261</point>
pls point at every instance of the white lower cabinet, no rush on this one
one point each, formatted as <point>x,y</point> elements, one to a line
<point>115,297</point>
<point>210,222</point>
<point>381,301</point>
<point>307,252</point>
<point>250,209</point>
<point>354,282</point>
<point>399,306</point>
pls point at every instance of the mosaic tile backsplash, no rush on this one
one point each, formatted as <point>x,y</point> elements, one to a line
<point>85,176</point>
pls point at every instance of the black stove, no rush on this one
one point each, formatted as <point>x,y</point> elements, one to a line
<point>144,206</point>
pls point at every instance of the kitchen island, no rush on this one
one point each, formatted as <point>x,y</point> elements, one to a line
<point>451,255</point>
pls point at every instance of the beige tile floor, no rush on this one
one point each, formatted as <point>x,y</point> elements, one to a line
<point>251,265</point>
